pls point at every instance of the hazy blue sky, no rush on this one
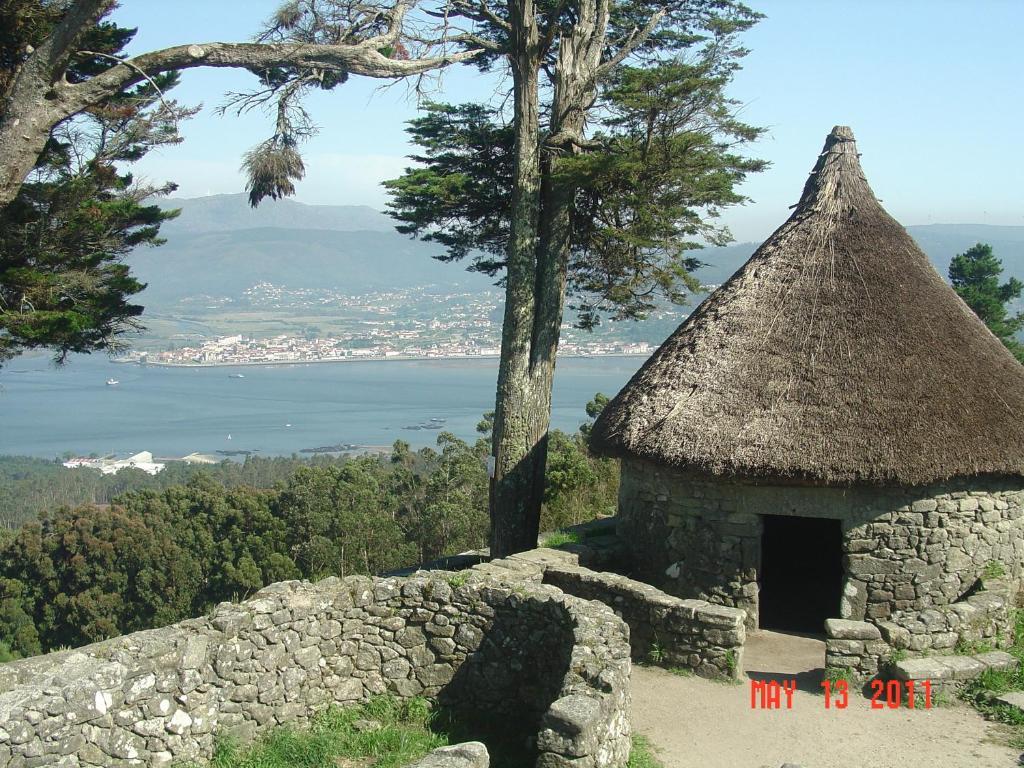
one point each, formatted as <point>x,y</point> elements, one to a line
<point>932,89</point>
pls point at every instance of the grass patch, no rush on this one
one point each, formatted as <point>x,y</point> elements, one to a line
<point>981,691</point>
<point>897,655</point>
<point>656,654</point>
<point>559,538</point>
<point>994,569</point>
<point>730,662</point>
<point>835,674</point>
<point>964,648</point>
<point>459,579</point>
<point>340,736</point>
<point>642,754</point>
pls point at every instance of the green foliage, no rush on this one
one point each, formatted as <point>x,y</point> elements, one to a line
<point>579,485</point>
<point>656,653</point>
<point>642,754</point>
<point>662,164</point>
<point>457,580</point>
<point>898,655</point>
<point>132,551</point>
<point>645,204</point>
<point>333,738</point>
<point>157,556</point>
<point>460,194</point>
<point>975,276</point>
<point>63,285</point>
<point>6,654</point>
<point>559,538</point>
<point>835,674</point>
<point>730,662</point>
<point>994,569</point>
<point>981,691</point>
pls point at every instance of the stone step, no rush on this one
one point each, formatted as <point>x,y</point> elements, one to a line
<point>1013,698</point>
<point>952,668</point>
<point>998,660</point>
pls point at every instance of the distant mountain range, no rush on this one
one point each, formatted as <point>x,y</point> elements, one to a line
<point>220,246</point>
<point>940,242</point>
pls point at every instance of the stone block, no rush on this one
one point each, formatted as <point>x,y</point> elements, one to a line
<point>846,647</point>
<point>843,629</point>
<point>964,667</point>
<point>922,669</point>
<point>470,754</point>
<point>854,599</point>
<point>998,660</point>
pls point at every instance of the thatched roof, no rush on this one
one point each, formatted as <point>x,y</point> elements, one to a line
<point>836,354</point>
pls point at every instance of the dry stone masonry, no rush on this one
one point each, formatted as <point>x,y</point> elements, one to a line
<point>663,630</point>
<point>982,619</point>
<point>558,664</point>
<point>908,553</point>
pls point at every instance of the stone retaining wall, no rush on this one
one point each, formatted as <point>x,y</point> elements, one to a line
<point>983,618</point>
<point>557,664</point>
<point>664,630</point>
<point>904,549</point>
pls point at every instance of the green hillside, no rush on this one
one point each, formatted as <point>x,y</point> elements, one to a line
<point>219,247</point>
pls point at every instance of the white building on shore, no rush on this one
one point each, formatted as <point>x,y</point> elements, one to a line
<point>142,460</point>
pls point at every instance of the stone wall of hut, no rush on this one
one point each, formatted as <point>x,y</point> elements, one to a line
<point>905,550</point>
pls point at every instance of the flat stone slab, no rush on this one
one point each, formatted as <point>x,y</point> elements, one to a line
<point>998,660</point>
<point>923,669</point>
<point>547,556</point>
<point>1013,699</point>
<point>844,629</point>
<point>956,668</point>
<point>964,667</point>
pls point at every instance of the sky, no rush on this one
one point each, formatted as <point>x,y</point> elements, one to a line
<point>931,88</point>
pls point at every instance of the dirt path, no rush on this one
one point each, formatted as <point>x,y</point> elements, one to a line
<point>695,723</point>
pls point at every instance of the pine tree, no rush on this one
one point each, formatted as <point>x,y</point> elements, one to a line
<point>975,275</point>
<point>598,193</point>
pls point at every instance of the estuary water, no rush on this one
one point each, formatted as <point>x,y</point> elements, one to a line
<point>274,410</point>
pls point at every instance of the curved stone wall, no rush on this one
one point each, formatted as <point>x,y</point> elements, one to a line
<point>159,696</point>
<point>905,549</point>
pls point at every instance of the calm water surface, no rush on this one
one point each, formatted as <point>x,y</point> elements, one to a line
<point>45,411</point>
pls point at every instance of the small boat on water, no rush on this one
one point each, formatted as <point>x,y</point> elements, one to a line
<point>236,375</point>
<point>112,382</point>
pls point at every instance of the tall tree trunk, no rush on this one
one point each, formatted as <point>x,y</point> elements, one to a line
<point>538,261</point>
<point>520,418</point>
<point>23,135</point>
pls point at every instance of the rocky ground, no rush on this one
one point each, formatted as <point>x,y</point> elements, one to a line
<point>693,722</point>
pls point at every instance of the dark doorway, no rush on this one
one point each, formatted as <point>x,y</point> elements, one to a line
<point>801,576</point>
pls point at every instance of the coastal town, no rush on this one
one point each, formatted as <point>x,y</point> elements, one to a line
<point>242,350</point>
<point>270,324</point>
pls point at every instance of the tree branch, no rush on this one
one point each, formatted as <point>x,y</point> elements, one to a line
<point>481,11</point>
<point>146,77</point>
<point>357,59</point>
<point>635,39</point>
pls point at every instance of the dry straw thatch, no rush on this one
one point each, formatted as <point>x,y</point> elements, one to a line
<point>836,354</point>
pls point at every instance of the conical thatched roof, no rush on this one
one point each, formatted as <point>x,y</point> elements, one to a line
<point>835,354</point>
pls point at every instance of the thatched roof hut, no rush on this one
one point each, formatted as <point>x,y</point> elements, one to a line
<point>836,354</point>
